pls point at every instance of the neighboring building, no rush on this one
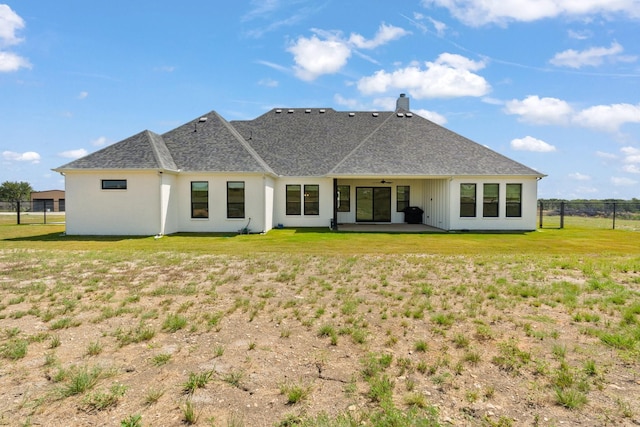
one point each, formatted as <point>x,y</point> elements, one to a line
<point>48,201</point>
<point>298,167</point>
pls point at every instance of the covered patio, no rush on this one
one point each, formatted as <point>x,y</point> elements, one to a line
<point>388,228</point>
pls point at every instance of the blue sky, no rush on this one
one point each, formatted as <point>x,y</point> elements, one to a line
<point>554,84</point>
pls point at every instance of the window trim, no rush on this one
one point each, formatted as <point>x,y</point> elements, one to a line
<point>109,188</point>
<point>510,204</point>
<point>311,205</point>
<point>199,203</point>
<point>236,204</point>
<point>407,194</point>
<point>293,203</point>
<point>468,204</point>
<point>493,205</point>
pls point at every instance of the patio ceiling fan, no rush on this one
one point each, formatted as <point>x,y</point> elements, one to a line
<point>383,181</point>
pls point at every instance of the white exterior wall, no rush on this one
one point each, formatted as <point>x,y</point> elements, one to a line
<point>529,205</point>
<point>168,204</point>
<point>160,203</point>
<point>254,208</point>
<point>436,196</point>
<point>326,203</point>
<point>269,191</point>
<point>416,197</point>
<point>93,211</point>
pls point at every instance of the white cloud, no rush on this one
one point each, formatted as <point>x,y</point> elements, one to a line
<point>82,95</point>
<point>28,156</point>
<point>418,18</point>
<point>12,62</point>
<point>606,156</point>
<point>586,190</point>
<point>492,101</point>
<point>347,102</point>
<point>431,115</point>
<point>10,22</point>
<point>440,27</point>
<point>385,34</point>
<point>540,111</point>
<point>386,103</point>
<point>579,176</point>
<point>74,154</point>
<point>315,57</point>
<point>449,76</point>
<point>579,35</point>
<point>327,52</point>
<point>631,154</point>
<point>623,182</point>
<point>273,65</point>
<point>631,168</point>
<point>553,111</point>
<point>267,82</point>
<point>529,143</point>
<point>608,118</point>
<point>99,142</point>
<point>591,57</point>
<point>482,12</point>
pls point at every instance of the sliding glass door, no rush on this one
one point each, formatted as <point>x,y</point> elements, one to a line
<point>373,204</point>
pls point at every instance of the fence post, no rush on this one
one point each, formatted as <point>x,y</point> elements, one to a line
<point>45,211</point>
<point>614,215</point>
<point>541,211</point>
<point>561,214</point>
<point>18,210</point>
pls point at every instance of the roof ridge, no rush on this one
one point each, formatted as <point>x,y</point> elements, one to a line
<point>244,143</point>
<point>361,143</point>
<point>153,139</point>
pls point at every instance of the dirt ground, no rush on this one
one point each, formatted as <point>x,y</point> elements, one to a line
<point>479,341</point>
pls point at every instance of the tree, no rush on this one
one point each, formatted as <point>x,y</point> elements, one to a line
<point>14,191</point>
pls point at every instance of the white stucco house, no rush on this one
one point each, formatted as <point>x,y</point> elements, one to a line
<point>297,167</point>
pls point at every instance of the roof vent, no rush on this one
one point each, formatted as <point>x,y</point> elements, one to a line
<point>374,114</point>
<point>352,114</point>
<point>409,114</point>
<point>307,111</point>
<point>290,111</point>
<point>322,111</point>
<point>278,111</point>
<point>202,119</point>
<point>400,114</point>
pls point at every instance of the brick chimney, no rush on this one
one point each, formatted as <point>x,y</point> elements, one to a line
<point>402,103</point>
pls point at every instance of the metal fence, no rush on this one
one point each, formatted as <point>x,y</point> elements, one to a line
<point>614,214</point>
<point>32,211</point>
<point>621,215</point>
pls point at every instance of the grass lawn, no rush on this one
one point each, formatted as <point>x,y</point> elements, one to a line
<point>308,327</point>
<point>575,240</point>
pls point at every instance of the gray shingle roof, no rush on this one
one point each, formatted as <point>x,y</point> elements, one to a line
<point>213,146</point>
<point>145,150</point>
<point>308,142</point>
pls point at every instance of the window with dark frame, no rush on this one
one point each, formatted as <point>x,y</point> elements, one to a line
<point>293,199</point>
<point>490,198</point>
<point>514,200</point>
<point>402,198</point>
<point>114,184</point>
<point>235,199</point>
<point>312,199</point>
<point>199,199</point>
<point>344,198</point>
<point>467,200</point>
